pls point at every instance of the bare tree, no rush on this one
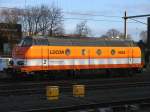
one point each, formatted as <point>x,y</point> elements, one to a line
<point>112,33</point>
<point>143,36</point>
<point>27,21</point>
<point>121,36</point>
<point>82,29</point>
<point>43,20</point>
<point>36,16</point>
<point>55,22</point>
<point>11,15</point>
<point>31,20</point>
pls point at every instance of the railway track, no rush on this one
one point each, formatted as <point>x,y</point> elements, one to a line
<point>66,86</point>
<point>38,86</point>
<point>85,79</point>
<point>30,96</point>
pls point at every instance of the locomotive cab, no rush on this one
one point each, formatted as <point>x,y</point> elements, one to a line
<point>19,53</point>
<point>27,53</point>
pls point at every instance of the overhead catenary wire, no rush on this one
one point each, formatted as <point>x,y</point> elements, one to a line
<point>89,19</point>
<point>138,21</point>
<point>84,14</point>
<point>89,14</point>
<point>71,13</point>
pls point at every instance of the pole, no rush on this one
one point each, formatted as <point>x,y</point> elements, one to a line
<point>125,25</point>
<point>25,4</point>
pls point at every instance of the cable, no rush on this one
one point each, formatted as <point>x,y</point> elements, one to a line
<point>97,20</point>
<point>87,18</point>
<point>138,21</point>
<point>89,14</point>
<point>75,13</point>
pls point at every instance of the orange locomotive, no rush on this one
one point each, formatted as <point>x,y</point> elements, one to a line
<point>35,54</point>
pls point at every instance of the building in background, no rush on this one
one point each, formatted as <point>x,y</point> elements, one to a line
<point>10,35</point>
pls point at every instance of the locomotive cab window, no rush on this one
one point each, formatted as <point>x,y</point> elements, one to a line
<point>26,42</point>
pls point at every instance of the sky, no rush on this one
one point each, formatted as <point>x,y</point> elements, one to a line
<point>109,13</point>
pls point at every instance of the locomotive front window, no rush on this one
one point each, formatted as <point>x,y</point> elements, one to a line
<point>26,42</point>
<point>20,43</point>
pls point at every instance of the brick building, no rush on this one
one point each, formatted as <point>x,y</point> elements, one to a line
<point>10,35</point>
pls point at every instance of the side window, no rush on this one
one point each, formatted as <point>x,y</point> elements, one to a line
<point>45,42</point>
<point>39,42</point>
<point>34,42</point>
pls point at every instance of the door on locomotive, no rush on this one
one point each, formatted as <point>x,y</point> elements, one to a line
<point>130,57</point>
<point>45,54</point>
<point>44,50</point>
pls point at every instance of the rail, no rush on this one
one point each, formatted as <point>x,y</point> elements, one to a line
<point>37,89</point>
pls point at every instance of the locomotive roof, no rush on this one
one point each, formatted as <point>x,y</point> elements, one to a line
<point>79,42</point>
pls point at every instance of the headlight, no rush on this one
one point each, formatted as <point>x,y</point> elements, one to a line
<point>20,62</point>
<point>11,62</point>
